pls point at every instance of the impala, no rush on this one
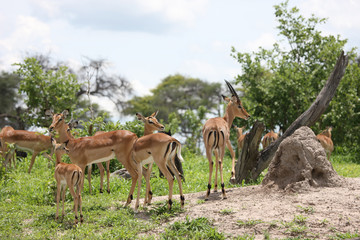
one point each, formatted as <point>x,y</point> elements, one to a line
<point>161,149</point>
<point>25,140</point>
<point>269,138</point>
<point>216,135</point>
<point>240,137</point>
<point>151,124</point>
<point>325,139</point>
<point>84,151</point>
<point>67,176</point>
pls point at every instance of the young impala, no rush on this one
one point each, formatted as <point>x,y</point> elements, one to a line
<point>67,176</point>
<point>240,138</point>
<point>25,140</point>
<point>216,135</point>
<point>325,139</point>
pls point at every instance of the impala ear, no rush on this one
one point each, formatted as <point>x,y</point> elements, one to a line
<point>226,98</point>
<point>140,117</point>
<point>65,113</point>
<point>155,113</point>
<point>49,112</point>
<point>53,141</point>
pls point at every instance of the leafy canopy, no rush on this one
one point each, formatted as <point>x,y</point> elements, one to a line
<point>281,83</point>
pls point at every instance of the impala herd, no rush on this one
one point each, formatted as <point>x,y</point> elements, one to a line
<point>132,152</point>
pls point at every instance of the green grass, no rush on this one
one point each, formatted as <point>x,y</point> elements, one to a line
<point>27,205</point>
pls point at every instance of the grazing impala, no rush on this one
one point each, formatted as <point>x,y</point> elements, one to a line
<point>161,149</point>
<point>269,138</point>
<point>67,176</point>
<point>325,139</point>
<point>216,135</point>
<point>84,151</point>
<point>24,140</point>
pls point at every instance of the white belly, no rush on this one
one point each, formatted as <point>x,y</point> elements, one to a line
<point>104,159</point>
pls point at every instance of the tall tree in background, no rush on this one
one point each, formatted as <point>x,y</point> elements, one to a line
<point>96,81</point>
<point>45,89</point>
<point>281,83</point>
<point>182,96</point>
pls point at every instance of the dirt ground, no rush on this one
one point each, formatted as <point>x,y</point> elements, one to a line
<point>319,213</point>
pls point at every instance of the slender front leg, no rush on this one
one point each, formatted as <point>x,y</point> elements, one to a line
<point>108,175</point>
<point>102,170</point>
<point>58,193</point>
<point>89,177</point>
<point>139,168</point>
<point>32,160</point>
<point>148,193</point>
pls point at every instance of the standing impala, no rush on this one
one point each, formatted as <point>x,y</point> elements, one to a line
<point>216,135</point>
<point>240,138</point>
<point>84,151</point>
<point>67,176</point>
<point>161,149</point>
<point>24,140</point>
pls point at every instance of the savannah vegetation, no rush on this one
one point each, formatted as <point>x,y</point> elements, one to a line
<point>275,85</point>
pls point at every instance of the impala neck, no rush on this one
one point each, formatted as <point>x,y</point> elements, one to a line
<point>64,134</point>
<point>229,116</point>
<point>147,131</point>
<point>58,157</point>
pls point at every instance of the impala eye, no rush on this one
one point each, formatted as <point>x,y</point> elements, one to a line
<point>151,122</point>
<point>239,106</point>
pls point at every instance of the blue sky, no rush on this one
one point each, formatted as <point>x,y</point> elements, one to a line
<point>147,40</point>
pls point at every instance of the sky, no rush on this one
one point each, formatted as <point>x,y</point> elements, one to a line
<point>147,40</point>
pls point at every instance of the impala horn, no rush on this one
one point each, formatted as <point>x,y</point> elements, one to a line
<point>232,90</point>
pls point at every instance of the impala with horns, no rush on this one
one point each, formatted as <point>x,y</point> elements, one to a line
<point>161,149</point>
<point>216,135</point>
<point>325,139</point>
<point>25,140</point>
<point>67,176</point>
<point>269,138</point>
<point>84,151</point>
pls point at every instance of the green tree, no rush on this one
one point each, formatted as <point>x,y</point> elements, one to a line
<point>9,98</point>
<point>45,89</point>
<point>279,84</point>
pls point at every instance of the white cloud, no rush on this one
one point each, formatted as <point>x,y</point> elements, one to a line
<point>341,14</point>
<point>266,40</point>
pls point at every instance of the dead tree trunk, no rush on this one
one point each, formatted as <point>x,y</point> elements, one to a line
<point>251,163</point>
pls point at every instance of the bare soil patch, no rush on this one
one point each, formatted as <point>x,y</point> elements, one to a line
<point>319,213</point>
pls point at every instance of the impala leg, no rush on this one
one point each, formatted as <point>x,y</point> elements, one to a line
<point>76,201</point>
<point>108,175</point>
<point>216,169</point>
<point>178,178</point>
<point>232,153</point>
<point>32,160</point>
<point>148,193</point>
<point>139,168</point>
<point>63,199</point>
<point>211,164</point>
<point>102,171</point>
<point>222,153</point>
<point>89,177</point>
<point>58,193</point>
<point>163,168</point>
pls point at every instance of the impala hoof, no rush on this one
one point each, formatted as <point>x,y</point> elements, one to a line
<point>233,180</point>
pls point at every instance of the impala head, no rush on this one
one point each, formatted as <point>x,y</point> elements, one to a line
<point>327,131</point>
<point>59,146</point>
<point>151,123</point>
<point>57,119</point>
<point>235,104</point>
<point>239,131</point>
